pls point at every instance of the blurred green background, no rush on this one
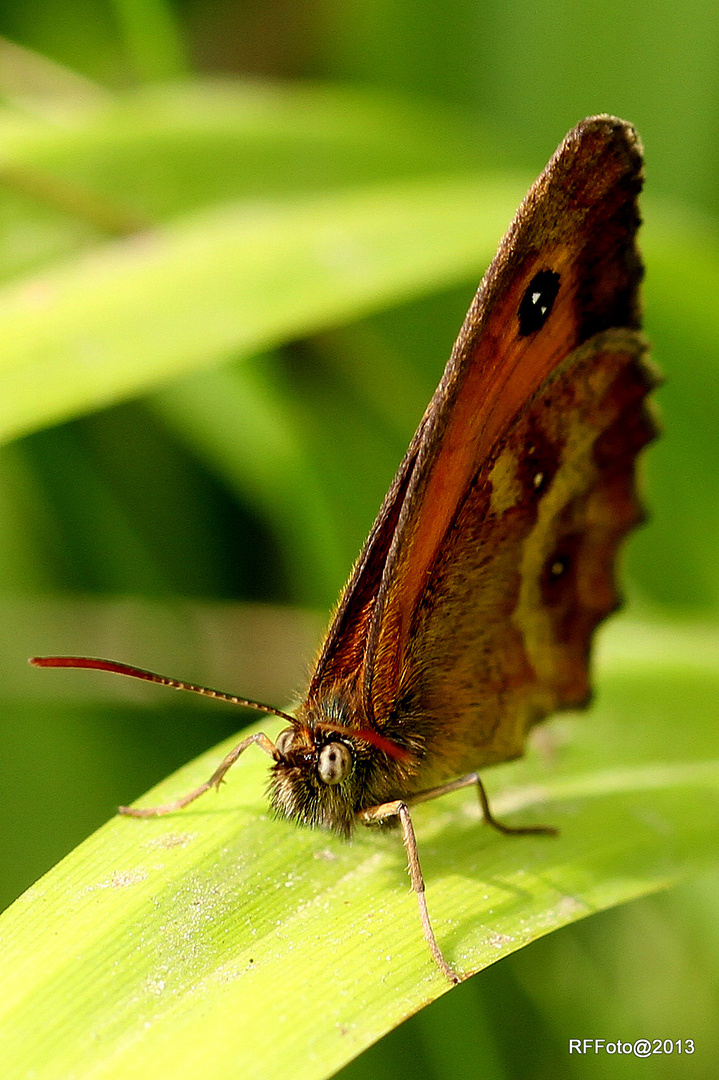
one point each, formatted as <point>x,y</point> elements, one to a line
<point>338,173</point>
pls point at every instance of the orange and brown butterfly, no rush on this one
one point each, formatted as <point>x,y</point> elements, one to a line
<point>469,614</point>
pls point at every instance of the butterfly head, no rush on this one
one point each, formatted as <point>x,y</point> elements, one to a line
<point>327,769</point>
<point>314,779</point>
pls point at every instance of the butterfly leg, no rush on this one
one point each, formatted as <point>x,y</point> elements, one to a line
<point>508,830</point>
<point>214,782</point>
<point>373,816</point>
<point>473,780</point>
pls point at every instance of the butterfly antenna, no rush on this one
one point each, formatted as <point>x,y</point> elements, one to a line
<point>151,676</point>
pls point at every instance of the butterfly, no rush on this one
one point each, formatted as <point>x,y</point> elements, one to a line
<point>469,614</point>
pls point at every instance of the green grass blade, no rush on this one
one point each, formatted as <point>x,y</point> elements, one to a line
<point>218,935</point>
<point>230,281</point>
<point>169,149</point>
<point>231,418</point>
<point>152,38</point>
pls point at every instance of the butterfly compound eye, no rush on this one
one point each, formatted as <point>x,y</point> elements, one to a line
<point>537,302</point>
<point>284,740</point>
<point>335,763</point>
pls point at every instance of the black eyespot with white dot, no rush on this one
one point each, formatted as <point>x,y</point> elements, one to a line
<point>558,566</point>
<point>538,462</point>
<point>558,580</point>
<point>539,481</point>
<point>537,302</point>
